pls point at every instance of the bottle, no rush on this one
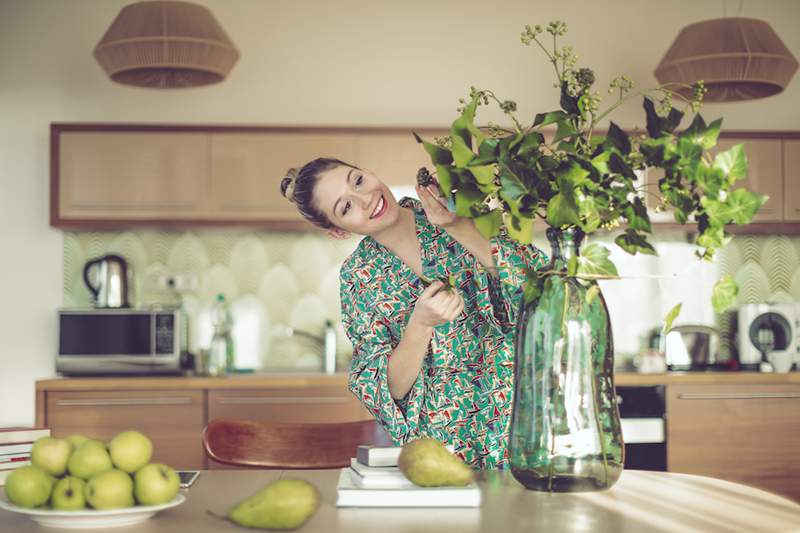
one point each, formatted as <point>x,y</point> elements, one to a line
<point>221,351</point>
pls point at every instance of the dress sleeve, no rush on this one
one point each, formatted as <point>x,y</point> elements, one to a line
<point>369,333</point>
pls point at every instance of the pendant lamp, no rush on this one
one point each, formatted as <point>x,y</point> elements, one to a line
<point>166,45</point>
<point>737,58</point>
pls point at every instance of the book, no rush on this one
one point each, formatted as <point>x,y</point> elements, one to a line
<point>391,480</point>
<point>10,449</point>
<point>372,455</point>
<point>365,470</point>
<point>17,435</point>
<point>350,495</point>
<point>8,459</point>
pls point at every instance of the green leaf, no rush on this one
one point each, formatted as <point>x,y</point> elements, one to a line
<point>519,228</point>
<point>670,318</point>
<point>618,139</point>
<point>544,119</point>
<point>462,153</point>
<point>594,261</point>
<point>572,265</point>
<point>724,293</point>
<point>511,187</point>
<point>489,224</point>
<point>590,216</point>
<point>484,174</point>
<point>439,155</point>
<point>712,134</point>
<point>733,163</point>
<point>592,293</point>
<point>562,210</point>
<point>571,172</point>
<point>636,215</point>
<point>600,162</point>
<point>530,143</point>
<point>657,125</point>
<point>467,196</point>
<point>445,179</point>
<point>564,130</point>
<point>533,287</point>
<point>632,242</point>
<point>740,207</point>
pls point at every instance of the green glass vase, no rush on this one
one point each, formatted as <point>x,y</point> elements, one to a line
<point>565,431</point>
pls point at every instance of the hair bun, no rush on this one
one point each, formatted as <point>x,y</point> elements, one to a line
<point>287,184</point>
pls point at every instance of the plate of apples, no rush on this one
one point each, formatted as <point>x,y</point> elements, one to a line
<point>81,483</point>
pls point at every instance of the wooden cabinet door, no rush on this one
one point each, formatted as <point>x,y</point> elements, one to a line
<point>395,158</point>
<point>764,176</point>
<point>791,180</point>
<point>247,169</point>
<point>131,175</point>
<point>744,433</point>
<point>173,420</point>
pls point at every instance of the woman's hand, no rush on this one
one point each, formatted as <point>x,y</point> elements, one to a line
<point>435,206</point>
<point>437,305</point>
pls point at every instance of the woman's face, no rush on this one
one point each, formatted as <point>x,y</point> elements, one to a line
<point>355,201</point>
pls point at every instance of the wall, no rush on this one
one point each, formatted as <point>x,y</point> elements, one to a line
<point>303,62</point>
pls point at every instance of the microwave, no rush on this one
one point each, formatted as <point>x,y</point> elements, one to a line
<point>120,341</point>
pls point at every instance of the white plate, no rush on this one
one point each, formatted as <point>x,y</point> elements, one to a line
<point>90,518</point>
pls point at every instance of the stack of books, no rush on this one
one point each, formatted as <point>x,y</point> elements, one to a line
<point>374,480</point>
<point>15,448</point>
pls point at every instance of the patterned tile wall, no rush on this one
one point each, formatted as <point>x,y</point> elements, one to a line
<point>279,279</point>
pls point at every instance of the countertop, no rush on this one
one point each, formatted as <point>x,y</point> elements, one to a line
<point>640,501</point>
<point>306,379</point>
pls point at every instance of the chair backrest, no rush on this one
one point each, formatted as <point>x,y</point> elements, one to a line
<point>280,445</point>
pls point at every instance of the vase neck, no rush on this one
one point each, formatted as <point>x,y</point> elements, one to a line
<point>564,244</point>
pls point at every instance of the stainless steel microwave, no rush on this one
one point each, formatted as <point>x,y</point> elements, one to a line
<point>119,341</point>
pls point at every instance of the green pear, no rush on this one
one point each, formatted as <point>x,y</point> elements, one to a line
<point>91,458</point>
<point>112,489</point>
<point>51,455</point>
<point>29,486</point>
<point>281,504</point>
<point>427,463</point>
<point>155,483</point>
<point>130,451</point>
<point>76,440</point>
<point>68,494</point>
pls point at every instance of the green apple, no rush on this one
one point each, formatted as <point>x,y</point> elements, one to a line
<point>29,486</point>
<point>51,455</point>
<point>155,483</point>
<point>91,458</point>
<point>68,494</point>
<point>130,451</point>
<point>110,490</point>
<point>76,440</point>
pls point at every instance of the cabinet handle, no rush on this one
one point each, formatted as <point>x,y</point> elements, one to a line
<point>244,400</point>
<point>126,401</point>
<point>736,395</point>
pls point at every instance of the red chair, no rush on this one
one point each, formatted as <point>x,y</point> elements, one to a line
<point>281,445</point>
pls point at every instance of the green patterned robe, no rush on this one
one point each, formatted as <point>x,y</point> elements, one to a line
<point>464,390</point>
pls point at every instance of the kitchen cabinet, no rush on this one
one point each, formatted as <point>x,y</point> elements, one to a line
<point>748,433</point>
<point>172,419</point>
<point>791,180</point>
<point>395,157</point>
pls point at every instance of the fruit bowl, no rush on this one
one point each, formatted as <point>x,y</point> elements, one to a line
<point>91,518</point>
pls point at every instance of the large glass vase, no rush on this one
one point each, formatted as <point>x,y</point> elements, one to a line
<point>565,431</point>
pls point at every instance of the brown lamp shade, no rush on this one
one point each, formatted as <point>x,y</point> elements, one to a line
<point>166,44</point>
<point>737,58</point>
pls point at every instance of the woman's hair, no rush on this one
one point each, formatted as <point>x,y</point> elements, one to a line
<point>298,188</point>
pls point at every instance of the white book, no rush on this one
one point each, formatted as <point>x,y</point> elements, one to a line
<point>370,455</point>
<point>393,480</point>
<point>373,471</point>
<point>12,449</point>
<point>6,460</point>
<point>349,495</point>
<point>22,435</point>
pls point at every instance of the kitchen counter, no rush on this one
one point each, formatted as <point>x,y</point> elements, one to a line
<point>640,501</point>
<point>311,379</point>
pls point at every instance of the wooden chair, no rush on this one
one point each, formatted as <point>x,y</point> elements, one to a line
<point>280,445</point>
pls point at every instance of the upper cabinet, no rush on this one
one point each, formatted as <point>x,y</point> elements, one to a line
<point>107,176</point>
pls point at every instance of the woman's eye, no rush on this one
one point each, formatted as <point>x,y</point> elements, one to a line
<point>346,207</point>
<point>358,181</point>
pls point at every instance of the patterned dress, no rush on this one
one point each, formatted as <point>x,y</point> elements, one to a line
<point>463,392</point>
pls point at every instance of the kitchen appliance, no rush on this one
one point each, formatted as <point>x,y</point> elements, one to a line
<point>120,341</point>
<point>765,329</point>
<point>110,286</point>
<point>692,347</point>
<point>641,411</point>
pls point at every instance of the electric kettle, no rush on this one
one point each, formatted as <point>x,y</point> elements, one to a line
<point>110,287</point>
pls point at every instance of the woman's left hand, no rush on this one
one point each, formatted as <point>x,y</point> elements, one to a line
<point>435,206</point>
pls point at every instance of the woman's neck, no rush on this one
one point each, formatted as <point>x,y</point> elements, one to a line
<point>396,236</point>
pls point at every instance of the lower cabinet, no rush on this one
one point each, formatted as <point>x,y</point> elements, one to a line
<point>173,420</point>
<point>744,433</point>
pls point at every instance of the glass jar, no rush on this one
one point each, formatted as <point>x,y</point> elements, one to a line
<point>565,431</point>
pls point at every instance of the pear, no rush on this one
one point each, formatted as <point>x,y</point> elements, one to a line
<point>427,463</point>
<point>91,458</point>
<point>282,504</point>
<point>68,494</point>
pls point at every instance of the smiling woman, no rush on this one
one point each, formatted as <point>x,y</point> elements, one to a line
<point>429,359</point>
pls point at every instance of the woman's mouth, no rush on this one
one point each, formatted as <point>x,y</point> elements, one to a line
<point>379,209</point>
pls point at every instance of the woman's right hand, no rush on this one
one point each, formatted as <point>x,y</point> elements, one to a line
<point>437,305</point>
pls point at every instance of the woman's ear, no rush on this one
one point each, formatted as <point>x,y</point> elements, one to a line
<point>337,233</point>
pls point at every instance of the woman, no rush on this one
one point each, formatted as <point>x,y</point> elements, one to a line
<point>427,359</point>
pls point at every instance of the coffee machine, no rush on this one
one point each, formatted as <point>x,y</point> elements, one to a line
<point>768,332</point>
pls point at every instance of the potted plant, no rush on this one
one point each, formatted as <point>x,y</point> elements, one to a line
<point>565,430</point>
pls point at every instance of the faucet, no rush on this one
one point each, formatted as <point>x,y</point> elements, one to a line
<point>327,340</point>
